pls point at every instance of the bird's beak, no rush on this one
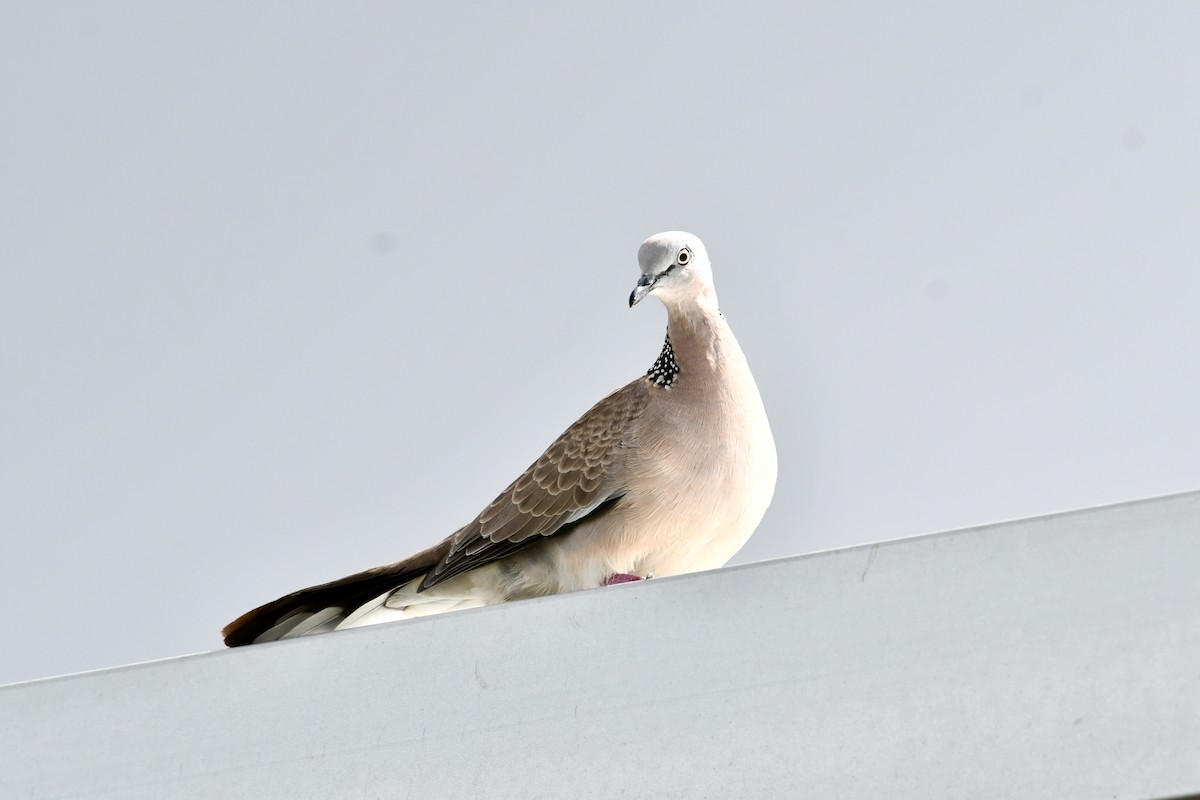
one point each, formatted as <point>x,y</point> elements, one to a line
<point>644,285</point>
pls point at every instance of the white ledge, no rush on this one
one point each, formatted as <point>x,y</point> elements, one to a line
<point>1052,657</point>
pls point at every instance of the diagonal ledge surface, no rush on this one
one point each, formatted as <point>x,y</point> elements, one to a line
<point>1049,657</point>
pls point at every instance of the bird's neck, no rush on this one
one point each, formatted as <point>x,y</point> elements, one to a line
<point>695,346</point>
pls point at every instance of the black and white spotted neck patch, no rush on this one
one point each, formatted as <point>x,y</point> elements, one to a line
<point>665,370</point>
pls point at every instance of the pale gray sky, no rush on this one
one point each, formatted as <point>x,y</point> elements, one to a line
<point>287,292</point>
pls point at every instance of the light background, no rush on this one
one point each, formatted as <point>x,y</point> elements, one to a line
<point>286,292</point>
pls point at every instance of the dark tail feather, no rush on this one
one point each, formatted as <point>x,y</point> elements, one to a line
<point>346,594</point>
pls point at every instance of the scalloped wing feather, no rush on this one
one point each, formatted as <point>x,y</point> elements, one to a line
<point>577,475</point>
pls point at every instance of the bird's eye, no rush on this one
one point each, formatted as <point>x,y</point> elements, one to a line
<point>684,257</point>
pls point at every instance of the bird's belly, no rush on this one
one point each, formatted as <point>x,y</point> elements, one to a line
<point>698,524</point>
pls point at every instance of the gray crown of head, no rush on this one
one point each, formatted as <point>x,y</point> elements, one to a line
<point>659,252</point>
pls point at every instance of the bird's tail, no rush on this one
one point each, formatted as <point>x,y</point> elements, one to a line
<point>355,600</point>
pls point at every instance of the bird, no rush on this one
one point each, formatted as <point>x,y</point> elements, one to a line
<point>668,474</point>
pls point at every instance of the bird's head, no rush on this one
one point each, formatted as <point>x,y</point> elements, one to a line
<point>674,267</point>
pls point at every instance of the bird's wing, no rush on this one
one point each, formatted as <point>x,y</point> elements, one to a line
<point>579,475</point>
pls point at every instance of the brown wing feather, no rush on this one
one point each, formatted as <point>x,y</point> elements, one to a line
<point>572,479</point>
<point>573,476</point>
